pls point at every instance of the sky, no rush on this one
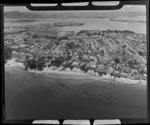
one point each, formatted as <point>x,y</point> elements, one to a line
<point>138,8</point>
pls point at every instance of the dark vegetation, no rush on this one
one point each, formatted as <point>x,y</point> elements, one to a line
<point>7,53</point>
<point>114,52</point>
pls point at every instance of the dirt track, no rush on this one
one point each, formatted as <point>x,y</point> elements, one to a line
<point>49,96</point>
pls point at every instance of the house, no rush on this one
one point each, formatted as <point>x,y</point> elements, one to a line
<point>22,45</point>
<point>15,47</point>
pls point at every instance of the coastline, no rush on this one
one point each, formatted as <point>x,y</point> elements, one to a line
<point>77,74</point>
<point>134,21</point>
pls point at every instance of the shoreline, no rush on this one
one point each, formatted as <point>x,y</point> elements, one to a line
<point>126,21</point>
<point>79,73</point>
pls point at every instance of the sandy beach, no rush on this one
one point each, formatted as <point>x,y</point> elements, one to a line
<point>76,74</point>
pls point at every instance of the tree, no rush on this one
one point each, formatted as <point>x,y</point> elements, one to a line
<point>29,63</point>
<point>140,53</point>
<point>57,61</point>
<point>82,66</point>
<point>102,52</point>
<point>40,63</point>
<point>7,53</point>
